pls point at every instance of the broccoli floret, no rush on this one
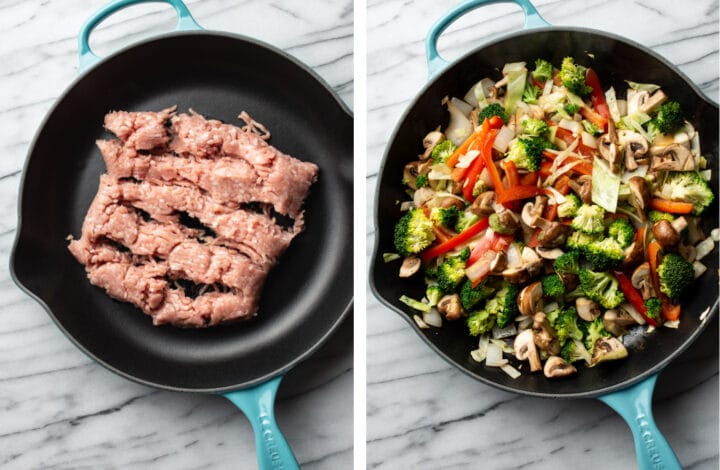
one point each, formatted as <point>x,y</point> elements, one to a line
<point>445,216</point>
<point>571,108</point>
<point>593,331</point>
<point>653,305</point>
<point>591,128</point>
<point>421,181</point>
<point>675,275</point>
<point>493,109</point>
<point>543,70</point>
<point>566,325</point>
<point>526,153</point>
<point>687,186</point>
<point>669,118</point>
<point>497,226</point>
<point>534,127</point>
<point>657,216</point>
<point>464,254</point>
<point>413,232</point>
<point>504,304</point>
<point>580,242</point>
<point>433,293</point>
<point>570,206</point>
<point>480,322</point>
<point>553,286</point>
<point>601,287</point>
<point>442,151</point>
<point>605,254</point>
<point>572,77</point>
<point>622,230</point>
<point>465,220</point>
<point>574,350</point>
<point>450,273</point>
<point>530,93</point>
<point>589,219</point>
<point>471,296</point>
<point>567,263</point>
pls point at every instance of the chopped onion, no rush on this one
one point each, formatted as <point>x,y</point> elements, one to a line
<point>695,144</point>
<point>704,248</point>
<point>465,160</point>
<point>571,125</point>
<point>650,329</point>
<point>672,324</point>
<point>420,322</point>
<point>459,128</point>
<point>715,234</point>
<point>406,206</point>
<point>503,138</point>
<point>464,107</point>
<point>557,195</point>
<point>588,140</point>
<point>483,342</point>
<point>494,356</point>
<point>387,257</point>
<point>477,356</point>
<point>627,306</point>
<point>511,371</point>
<point>548,88</point>
<point>699,268</point>
<point>502,345</point>
<point>513,254</point>
<point>475,95</point>
<point>513,67</point>
<point>433,318</point>
<point>507,332</point>
<point>480,353</point>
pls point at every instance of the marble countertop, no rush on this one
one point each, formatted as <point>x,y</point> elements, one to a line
<point>58,409</point>
<point>425,414</point>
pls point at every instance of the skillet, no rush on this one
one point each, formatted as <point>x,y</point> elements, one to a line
<point>626,385</point>
<point>306,297</point>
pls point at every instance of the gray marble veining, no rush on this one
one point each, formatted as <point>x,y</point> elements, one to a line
<point>57,408</point>
<point>425,414</point>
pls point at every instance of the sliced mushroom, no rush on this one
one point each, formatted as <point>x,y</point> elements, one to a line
<point>422,196</point>
<point>652,102</point>
<point>609,150</point>
<point>616,321</point>
<point>556,367</point>
<point>665,234</point>
<point>608,349</point>
<point>549,253</point>
<point>553,234</point>
<point>532,261</point>
<point>483,204</point>
<point>545,336</point>
<point>583,188</point>
<point>639,195</point>
<point>674,157</point>
<point>410,265</point>
<point>635,147</point>
<point>525,350</point>
<point>634,255</point>
<point>499,263</point>
<point>642,281</point>
<point>451,201</point>
<point>506,220</point>
<point>516,275</point>
<point>429,142</point>
<point>450,307</point>
<point>532,212</point>
<point>636,98</point>
<point>530,299</point>
<point>410,174</point>
<point>587,309</point>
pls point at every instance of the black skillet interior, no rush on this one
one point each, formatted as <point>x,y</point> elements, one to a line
<point>306,295</point>
<point>615,60</point>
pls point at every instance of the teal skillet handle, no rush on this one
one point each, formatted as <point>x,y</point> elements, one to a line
<point>273,451</point>
<point>634,404</point>
<point>88,58</point>
<point>437,63</point>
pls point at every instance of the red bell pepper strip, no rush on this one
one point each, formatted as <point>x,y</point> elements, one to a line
<point>670,312</point>
<point>674,207</point>
<point>454,242</point>
<point>483,245</point>
<point>480,270</point>
<point>568,137</point>
<point>478,164</point>
<point>513,176</point>
<point>496,122</point>
<point>529,179</point>
<point>597,97</point>
<point>584,168</point>
<point>594,117</point>
<point>634,297</point>
<point>517,193</point>
<point>534,242</point>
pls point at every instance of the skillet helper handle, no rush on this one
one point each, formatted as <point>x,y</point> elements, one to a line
<point>437,63</point>
<point>273,451</point>
<point>634,404</point>
<point>88,58</point>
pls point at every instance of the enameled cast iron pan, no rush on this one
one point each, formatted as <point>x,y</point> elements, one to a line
<point>625,385</point>
<point>309,292</point>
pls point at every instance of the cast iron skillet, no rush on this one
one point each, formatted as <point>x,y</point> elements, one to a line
<point>625,385</point>
<point>306,296</point>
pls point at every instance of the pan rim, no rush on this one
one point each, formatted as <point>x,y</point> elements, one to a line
<point>342,106</point>
<point>374,261</point>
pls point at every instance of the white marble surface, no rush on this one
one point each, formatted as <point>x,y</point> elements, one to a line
<point>57,408</point>
<point>425,414</point>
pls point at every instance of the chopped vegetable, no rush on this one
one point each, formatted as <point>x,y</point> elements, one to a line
<point>413,232</point>
<point>412,303</point>
<point>572,77</point>
<point>494,109</point>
